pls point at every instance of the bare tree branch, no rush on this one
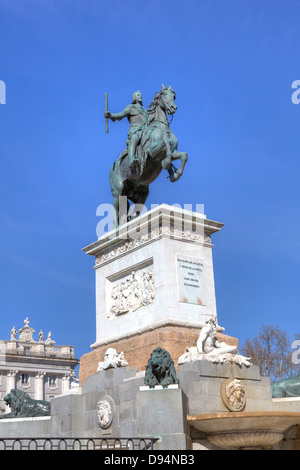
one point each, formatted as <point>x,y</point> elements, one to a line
<point>271,351</point>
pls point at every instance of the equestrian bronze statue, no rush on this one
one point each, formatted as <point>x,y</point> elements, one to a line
<point>151,147</point>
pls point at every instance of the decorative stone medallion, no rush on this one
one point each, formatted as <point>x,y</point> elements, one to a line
<point>233,394</point>
<point>105,412</point>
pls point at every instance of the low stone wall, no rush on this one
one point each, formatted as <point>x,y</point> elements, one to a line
<point>173,416</point>
<point>25,427</point>
<point>204,379</point>
<point>291,439</point>
<point>133,413</point>
<point>286,404</point>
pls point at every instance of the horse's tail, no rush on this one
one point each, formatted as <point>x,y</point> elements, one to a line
<point>116,176</point>
<point>119,160</point>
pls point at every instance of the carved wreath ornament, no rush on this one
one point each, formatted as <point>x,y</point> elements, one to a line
<point>132,292</point>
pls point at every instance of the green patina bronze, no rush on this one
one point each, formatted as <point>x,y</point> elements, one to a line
<point>151,147</point>
<point>287,387</point>
<point>22,406</point>
<point>160,369</point>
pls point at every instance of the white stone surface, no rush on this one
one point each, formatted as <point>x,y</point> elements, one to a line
<point>291,404</point>
<point>208,348</point>
<point>144,388</point>
<point>25,420</point>
<point>112,360</point>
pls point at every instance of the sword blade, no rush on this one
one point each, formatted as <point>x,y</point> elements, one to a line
<point>106,109</point>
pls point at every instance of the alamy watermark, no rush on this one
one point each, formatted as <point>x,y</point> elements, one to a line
<point>296,354</point>
<point>126,213</point>
<point>2,92</point>
<point>296,94</point>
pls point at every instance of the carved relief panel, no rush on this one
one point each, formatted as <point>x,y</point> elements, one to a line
<point>130,292</point>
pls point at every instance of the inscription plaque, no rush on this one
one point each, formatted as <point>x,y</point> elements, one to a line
<point>190,280</point>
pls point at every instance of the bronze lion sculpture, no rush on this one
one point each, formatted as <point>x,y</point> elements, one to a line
<point>22,406</point>
<point>160,369</point>
<point>287,387</point>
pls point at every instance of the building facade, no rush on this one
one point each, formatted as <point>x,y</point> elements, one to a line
<point>40,368</point>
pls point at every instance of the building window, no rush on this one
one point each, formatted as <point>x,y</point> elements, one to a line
<point>26,351</point>
<point>25,379</point>
<point>52,381</point>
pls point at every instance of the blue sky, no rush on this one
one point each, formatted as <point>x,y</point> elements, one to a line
<point>232,64</point>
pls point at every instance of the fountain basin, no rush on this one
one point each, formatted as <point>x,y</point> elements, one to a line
<point>244,429</point>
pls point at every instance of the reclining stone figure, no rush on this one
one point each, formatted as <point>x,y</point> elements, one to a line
<point>112,360</point>
<point>210,349</point>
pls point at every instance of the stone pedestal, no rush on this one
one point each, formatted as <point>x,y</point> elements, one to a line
<point>154,285</point>
<point>206,380</point>
<point>163,413</point>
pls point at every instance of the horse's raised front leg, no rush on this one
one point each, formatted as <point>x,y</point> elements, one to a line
<point>175,175</point>
<point>159,144</point>
<point>166,162</point>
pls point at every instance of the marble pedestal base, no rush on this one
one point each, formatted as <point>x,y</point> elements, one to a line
<point>138,348</point>
<point>154,285</point>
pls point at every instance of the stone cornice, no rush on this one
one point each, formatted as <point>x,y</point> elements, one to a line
<point>162,222</point>
<point>154,326</point>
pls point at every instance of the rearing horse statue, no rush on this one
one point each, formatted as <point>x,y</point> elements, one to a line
<point>156,150</point>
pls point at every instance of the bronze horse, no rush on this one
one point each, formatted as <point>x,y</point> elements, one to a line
<point>157,150</point>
